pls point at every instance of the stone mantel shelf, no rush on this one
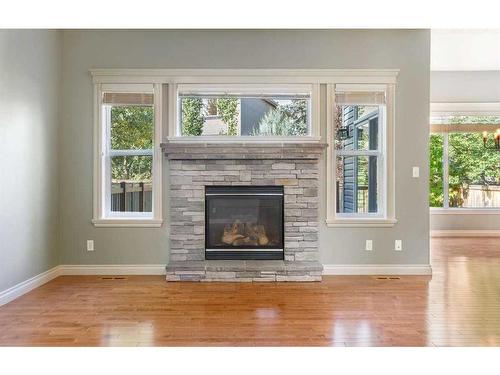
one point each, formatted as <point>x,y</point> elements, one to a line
<point>205,151</point>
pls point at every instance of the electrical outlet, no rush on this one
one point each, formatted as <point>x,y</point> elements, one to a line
<point>398,245</point>
<point>416,172</point>
<point>369,245</point>
<point>90,245</point>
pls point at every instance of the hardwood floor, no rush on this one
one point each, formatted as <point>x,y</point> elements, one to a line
<point>458,306</point>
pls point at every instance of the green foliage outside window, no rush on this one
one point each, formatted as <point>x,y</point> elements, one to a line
<point>470,164</point>
<point>131,168</point>
<point>436,170</point>
<point>285,120</point>
<point>193,110</point>
<point>289,120</point>
<point>132,128</point>
<point>192,116</point>
<point>227,109</point>
<point>297,109</point>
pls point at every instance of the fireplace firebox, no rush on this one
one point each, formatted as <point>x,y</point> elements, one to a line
<point>244,222</point>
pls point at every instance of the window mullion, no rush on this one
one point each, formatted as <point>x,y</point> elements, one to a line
<point>107,162</point>
<point>358,153</point>
<point>131,152</point>
<point>446,198</point>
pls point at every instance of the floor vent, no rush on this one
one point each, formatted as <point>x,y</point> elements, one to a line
<point>113,278</point>
<point>388,278</point>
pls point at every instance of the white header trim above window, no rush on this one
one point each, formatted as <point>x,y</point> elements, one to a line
<point>236,89</point>
<point>135,88</point>
<point>343,87</point>
<point>365,76</point>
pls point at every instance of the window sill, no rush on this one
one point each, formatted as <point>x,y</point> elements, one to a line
<point>361,223</point>
<point>243,139</point>
<point>127,223</point>
<point>465,211</point>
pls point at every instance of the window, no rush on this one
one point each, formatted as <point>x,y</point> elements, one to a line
<point>359,157</point>
<point>273,106</point>
<point>465,170</point>
<point>128,168</point>
<point>244,111</point>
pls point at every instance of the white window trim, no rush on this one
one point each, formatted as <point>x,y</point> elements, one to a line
<point>386,218</point>
<point>316,77</point>
<point>102,217</point>
<point>460,109</point>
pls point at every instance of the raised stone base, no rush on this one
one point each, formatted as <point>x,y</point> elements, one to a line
<point>244,271</point>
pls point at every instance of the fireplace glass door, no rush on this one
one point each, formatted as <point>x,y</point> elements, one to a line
<point>244,222</point>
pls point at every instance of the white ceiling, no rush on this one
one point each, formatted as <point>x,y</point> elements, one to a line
<point>461,49</point>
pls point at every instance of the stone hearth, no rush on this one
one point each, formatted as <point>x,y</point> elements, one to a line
<point>194,166</point>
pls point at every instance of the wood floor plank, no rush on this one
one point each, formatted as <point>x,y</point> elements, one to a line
<point>458,306</point>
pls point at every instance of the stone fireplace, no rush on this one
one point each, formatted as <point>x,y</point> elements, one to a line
<point>225,207</point>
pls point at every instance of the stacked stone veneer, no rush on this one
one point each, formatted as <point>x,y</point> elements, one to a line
<point>194,166</point>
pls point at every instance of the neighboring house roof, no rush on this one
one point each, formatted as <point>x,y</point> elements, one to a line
<point>271,101</point>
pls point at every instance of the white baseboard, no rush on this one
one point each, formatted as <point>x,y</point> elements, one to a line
<point>112,269</point>
<point>377,269</point>
<point>28,285</point>
<point>465,233</point>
